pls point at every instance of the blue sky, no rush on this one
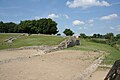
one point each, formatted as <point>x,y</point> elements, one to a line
<point>81,16</point>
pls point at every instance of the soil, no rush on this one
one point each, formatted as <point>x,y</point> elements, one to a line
<point>99,74</point>
<point>59,65</point>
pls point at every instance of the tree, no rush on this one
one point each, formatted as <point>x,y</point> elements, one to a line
<point>118,36</point>
<point>33,30</point>
<point>109,36</point>
<point>97,36</point>
<point>68,32</point>
<point>1,27</point>
<point>42,26</point>
<point>82,35</point>
<point>7,27</point>
<point>94,35</point>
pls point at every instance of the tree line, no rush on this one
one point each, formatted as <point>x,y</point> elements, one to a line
<point>100,36</point>
<point>42,26</point>
<point>108,38</point>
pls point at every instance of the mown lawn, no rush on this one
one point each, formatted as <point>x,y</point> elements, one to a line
<point>33,40</point>
<point>90,46</point>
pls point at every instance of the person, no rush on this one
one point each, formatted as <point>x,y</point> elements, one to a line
<point>114,73</point>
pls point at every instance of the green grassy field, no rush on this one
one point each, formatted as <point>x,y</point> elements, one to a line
<point>33,40</point>
<point>87,45</point>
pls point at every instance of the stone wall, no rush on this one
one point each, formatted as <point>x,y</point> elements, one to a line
<point>71,41</point>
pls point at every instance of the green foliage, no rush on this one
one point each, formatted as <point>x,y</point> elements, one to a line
<point>109,36</point>
<point>7,27</point>
<point>68,32</point>
<point>118,36</point>
<point>97,36</point>
<point>82,35</point>
<point>42,26</point>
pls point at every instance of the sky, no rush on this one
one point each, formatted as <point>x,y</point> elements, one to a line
<point>81,16</point>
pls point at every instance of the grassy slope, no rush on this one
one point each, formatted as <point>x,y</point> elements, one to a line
<point>5,36</point>
<point>29,41</point>
<point>38,40</point>
<point>89,46</point>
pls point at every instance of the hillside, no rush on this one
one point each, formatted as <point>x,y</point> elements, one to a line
<point>26,40</point>
<point>87,45</point>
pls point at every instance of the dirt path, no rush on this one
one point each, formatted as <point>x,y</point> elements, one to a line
<point>99,74</point>
<point>59,65</point>
<point>5,54</point>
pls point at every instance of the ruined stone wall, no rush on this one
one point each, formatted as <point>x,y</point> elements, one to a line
<point>69,42</point>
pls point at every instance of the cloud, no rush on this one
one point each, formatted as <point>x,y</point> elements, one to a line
<point>109,17</point>
<point>37,17</point>
<point>90,21</point>
<point>78,23</point>
<point>112,28</point>
<point>66,16</point>
<point>86,3</point>
<point>53,16</point>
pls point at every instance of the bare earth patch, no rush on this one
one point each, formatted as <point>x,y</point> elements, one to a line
<point>59,65</point>
<point>99,74</point>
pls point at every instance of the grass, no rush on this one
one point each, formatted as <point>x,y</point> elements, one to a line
<point>87,45</point>
<point>6,36</point>
<point>33,40</point>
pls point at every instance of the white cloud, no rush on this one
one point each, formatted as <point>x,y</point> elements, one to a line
<point>86,3</point>
<point>78,23</point>
<point>112,28</point>
<point>90,21</point>
<point>66,16</point>
<point>109,17</point>
<point>53,16</point>
<point>37,17</point>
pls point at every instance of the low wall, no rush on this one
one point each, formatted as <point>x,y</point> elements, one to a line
<point>71,41</point>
